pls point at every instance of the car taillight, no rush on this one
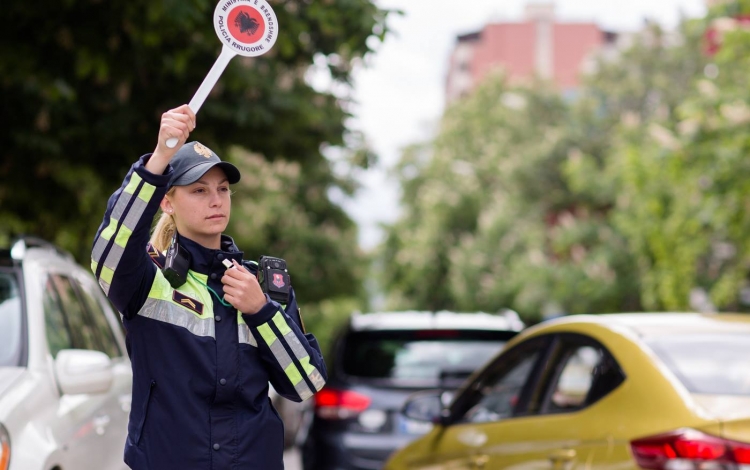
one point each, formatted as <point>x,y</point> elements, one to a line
<point>4,448</point>
<point>688,449</point>
<point>331,403</point>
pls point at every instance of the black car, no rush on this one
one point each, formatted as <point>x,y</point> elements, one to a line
<point>376,363</point>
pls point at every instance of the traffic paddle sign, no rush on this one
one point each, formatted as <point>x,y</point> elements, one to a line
<point>245,27</point>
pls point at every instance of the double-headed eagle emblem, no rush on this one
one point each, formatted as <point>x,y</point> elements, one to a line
<point>246,23</point>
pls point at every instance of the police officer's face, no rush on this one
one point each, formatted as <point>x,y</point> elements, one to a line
<point>201,210</point>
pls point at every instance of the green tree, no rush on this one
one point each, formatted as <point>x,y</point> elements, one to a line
<point>475,201</point>
<point>682,178</point>
<point>546,206</point>
<point>84,83</point>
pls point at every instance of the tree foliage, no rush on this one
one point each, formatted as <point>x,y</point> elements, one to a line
<point>83,84</point>
<point>682,178</point>
<point>631,196</point>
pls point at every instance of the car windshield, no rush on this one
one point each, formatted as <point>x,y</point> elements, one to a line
<point>708,363</point>
<point>10,320</point>
<point>419,355</point>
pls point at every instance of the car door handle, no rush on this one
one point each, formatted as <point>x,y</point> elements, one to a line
<point>562,455</point>
<point>479,461</point>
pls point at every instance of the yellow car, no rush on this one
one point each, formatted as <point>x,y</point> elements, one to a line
<point>655,391</point>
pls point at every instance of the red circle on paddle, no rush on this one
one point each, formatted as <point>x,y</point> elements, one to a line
<point>246,24</point>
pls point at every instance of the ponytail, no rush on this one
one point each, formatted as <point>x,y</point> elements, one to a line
<point>164,230</point>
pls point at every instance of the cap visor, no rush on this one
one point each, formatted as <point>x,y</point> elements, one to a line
<point>195,173</point>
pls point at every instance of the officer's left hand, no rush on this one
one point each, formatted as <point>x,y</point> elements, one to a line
<point>241,289</point>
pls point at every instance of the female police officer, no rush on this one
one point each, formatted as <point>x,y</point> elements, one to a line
<point>204,351</point>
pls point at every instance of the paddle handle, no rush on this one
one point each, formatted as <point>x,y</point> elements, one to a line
<point>207,85</point>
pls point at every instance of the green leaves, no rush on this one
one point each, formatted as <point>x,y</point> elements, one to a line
<point>633,196</point>
<point>83,85</point>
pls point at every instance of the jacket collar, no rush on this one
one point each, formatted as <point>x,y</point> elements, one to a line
<point>204,260</point>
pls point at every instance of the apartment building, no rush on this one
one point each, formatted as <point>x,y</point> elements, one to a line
<point>537,46</point>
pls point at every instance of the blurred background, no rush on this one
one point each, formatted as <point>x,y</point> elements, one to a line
<point>549,158</point>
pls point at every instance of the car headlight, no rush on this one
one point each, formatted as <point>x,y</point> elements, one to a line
<point>4,448</point>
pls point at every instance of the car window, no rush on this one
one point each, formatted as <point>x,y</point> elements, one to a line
<point>707,363</point>
<point>56,325</point>
<point>419,355</point>
<point>82,330</point>
<point>575,379</point>
<point>102,328</point>
<point>10,320</point>
<point>583,372</point>
<point>500,398</point>
<point>500,388</point>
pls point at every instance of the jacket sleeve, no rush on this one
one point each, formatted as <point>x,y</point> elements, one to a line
<point>293,359</point>
<point>119,258</point>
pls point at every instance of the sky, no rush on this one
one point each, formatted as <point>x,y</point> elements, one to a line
<point>399,90</point>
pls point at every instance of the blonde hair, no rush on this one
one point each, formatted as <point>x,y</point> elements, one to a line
<point>164,230</point>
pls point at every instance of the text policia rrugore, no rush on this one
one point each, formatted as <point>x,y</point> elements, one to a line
<point>247,48</point>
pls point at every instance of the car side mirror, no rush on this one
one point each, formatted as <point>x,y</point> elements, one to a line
<point>82,371</point>
<point>426,406</point>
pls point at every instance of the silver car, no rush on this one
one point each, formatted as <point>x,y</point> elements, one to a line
<point>65,377</point>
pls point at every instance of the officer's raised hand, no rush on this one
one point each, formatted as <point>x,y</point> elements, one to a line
<point>178,122</point>
<point>241,289</point>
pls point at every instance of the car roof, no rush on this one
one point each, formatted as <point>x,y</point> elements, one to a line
<point>30,249</point>
<point>441,320</point>
<point>651,325</point>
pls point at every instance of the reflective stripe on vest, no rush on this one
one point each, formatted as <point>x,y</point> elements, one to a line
<point>286,362</point>
<point>243,332</point>
<point>162,306</point>
<point>128,210</point>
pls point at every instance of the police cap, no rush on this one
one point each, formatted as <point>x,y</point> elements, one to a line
<point>193,160</point>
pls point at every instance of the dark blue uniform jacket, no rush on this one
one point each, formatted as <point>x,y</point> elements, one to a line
<point>200,369</point>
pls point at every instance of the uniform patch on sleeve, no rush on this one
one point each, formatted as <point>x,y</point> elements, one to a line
<point>188,302</point>
<point>156,256</point>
